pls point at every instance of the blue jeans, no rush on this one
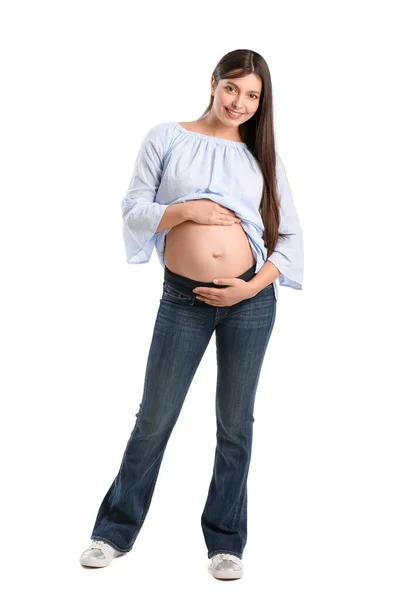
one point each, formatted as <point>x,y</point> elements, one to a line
<point>183,328</point>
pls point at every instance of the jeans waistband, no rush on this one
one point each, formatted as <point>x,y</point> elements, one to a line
<point>185,284</point>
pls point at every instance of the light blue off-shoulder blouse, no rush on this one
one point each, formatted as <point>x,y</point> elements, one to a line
<point>176,165</point>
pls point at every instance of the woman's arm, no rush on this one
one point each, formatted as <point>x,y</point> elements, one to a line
<point>141,214</point>
<point>288,256</point>
<point>175,214</point>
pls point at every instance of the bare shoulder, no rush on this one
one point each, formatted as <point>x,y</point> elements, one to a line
<point>191,126</point>
<point>198,127</point>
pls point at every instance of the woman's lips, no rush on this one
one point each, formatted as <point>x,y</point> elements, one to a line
<point>231,115</point>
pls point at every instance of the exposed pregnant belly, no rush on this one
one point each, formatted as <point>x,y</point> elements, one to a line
<point>204,252</point>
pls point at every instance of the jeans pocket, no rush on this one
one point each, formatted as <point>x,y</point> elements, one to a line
<point>267,291</point>
<point>172,292</point>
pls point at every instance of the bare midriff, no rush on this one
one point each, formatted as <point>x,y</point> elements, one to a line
<point>204,252</point>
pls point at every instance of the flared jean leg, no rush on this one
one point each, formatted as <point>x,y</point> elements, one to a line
<point>180,338</point>
<point>242,336</point>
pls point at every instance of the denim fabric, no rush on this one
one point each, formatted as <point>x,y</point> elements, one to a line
<point>183,328</point>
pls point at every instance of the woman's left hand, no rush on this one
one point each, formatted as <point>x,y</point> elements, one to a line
<point>237,290</point>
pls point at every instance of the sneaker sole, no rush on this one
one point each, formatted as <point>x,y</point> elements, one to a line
<point>227,574</point>
<point>94,562</point>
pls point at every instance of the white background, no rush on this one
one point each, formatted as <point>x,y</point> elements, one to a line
<point>82,84</point>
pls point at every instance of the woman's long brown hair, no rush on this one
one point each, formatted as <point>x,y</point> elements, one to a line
<point>258,134</point>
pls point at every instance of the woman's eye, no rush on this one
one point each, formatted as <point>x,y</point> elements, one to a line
<point>230,88</point>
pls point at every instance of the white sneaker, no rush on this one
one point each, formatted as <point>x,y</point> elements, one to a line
<point>226,566</point>
<point>99,554</point>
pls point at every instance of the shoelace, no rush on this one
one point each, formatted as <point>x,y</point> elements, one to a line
<point>225,556</point>
<point>98,544</point>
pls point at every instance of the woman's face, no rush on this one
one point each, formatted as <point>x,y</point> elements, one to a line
<point>240,94</point>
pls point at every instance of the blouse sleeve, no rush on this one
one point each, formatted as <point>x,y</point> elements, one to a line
<point>141,214</point>
<point>288,255</point>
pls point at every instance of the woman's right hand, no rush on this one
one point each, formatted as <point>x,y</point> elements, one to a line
<point>208,212</point>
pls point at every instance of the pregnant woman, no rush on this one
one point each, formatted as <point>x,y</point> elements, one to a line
<point>212,197</point>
